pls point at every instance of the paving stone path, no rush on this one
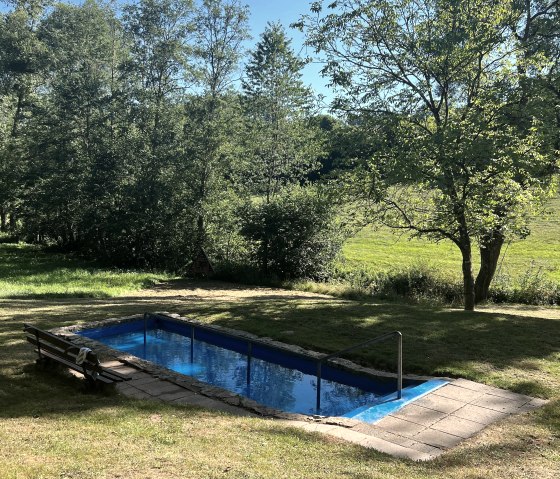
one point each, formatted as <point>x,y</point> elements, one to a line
<point>419,431</point>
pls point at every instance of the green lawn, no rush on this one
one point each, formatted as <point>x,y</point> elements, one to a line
<point>381,250</point>
<point>45,419</point>
<point>50,429</point>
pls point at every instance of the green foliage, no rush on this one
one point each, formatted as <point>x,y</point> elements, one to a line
<point>294,234</point>
<point>281,142</point>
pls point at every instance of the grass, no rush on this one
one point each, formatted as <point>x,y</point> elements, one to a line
<point>45,418</point>
<point>29,271</point>
<point>381,250</point>
<point>49,428</point>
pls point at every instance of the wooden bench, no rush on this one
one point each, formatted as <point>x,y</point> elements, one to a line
<point>54,349</point>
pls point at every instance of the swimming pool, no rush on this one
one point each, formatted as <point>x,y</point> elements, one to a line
<point>272,376</point>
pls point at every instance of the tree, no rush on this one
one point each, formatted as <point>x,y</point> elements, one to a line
<point>21,63</point>
<point>282,142</point>
<point>155,212</point>
<point>442,76</point>
<point>295,234</point>
<point>220,30</point>
<point>68,124</point>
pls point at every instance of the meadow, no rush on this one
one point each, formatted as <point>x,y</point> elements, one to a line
<point>380,249</point>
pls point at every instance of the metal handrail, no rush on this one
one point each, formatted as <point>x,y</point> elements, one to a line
<point>378,339</point>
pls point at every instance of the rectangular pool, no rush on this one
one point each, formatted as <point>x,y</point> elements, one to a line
<point>273,377</point>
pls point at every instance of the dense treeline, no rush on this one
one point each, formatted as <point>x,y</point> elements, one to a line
<point>127,135</point>
<point>139,135</point>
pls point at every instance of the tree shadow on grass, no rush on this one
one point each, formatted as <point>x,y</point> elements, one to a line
<point>436,341</point>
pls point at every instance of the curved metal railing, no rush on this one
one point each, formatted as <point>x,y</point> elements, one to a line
<point>378,339</point>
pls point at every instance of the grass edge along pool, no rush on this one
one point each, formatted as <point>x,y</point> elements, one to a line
<point>270,374</point>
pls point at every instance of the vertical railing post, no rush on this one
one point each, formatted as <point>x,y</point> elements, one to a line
<point>145,327</point>
<point>318,403</point>
<point>249,356</point>
<point>192,344</point>
<point>399,365</point>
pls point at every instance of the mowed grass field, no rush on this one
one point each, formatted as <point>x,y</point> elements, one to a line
<point>51,428</point>
<point>380,249</point>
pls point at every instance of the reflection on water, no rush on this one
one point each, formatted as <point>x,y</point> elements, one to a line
<point>270,384</point>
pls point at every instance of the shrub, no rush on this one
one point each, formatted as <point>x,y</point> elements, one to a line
<point>531,288</point>
<point>294,235</point>
<point>421,282</point>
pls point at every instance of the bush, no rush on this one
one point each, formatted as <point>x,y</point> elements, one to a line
<point>422,283</point>
<point>531,288</point>
<point>295,235</point>
<point>417,282</point>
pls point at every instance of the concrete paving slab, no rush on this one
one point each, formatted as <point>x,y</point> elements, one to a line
<point>378,444</point>
<point>157,388</point>
<point>483,388</point>
<point>459,394</point>
<point>423,447</point>
<point>438,439</point>
<point>129,371</point>
<point>479,414</point>
<point>146,379</point>
<point>400,426</point>
<point>458,427</point>
<point>123,387</point>
<point>173,395</point>
<point>420,415</point>
<point>381,434</point>
<point>440,403</point>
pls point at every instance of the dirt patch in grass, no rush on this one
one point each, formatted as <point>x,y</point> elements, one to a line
<point>221,291</point>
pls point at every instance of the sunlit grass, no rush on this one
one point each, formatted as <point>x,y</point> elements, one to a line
<point>381,250</point>
<point>29,271</point>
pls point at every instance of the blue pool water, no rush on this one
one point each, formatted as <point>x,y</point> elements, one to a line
<point>271,377</point>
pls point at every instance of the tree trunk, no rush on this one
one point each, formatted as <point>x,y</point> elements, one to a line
<point>13,221</point>
<point>468,278</point>
<point>490,248</point>
<point>2,219</point>
<point>200,230</point>
<point>265,255</point>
